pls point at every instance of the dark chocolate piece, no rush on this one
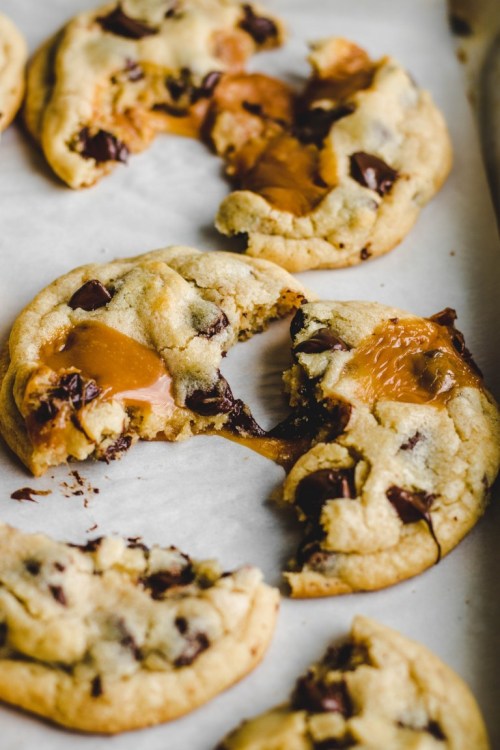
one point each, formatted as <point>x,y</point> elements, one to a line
<point>117,22</point>
<point>103,146</point>
<point>32,566</point>
<point>413,506</point>
<point>195,644</point>
<point>372,172</point>
<point>58,594</point>
<point>208,85</point>
<point>312,694</point>
<point>364,254</point>
<point>460,25</point>
<point>435,730</point>
<point>336,743</point>
<point>447,318</point>
<point>260,29</point>
<point>322,340</point>
<point>96,687</point>
<point>45,412</point>
<point>220,400</point>
<point>180,86</point>
<point>346,658</point>
<point>90,296</point>
<point>26,493</point>
<point>218,325</point>
<point>74,389</point>
<point>322,485</point>
<point>3,633</point>
<point>178,575</point>
<point>313,125</point>
<point>115,450</point>
<point>297,323</point>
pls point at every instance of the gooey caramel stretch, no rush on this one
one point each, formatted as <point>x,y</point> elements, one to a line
<point>122,367</point>
<point>412,361</point>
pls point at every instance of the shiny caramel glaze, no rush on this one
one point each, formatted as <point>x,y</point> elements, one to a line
<point>122,367</point>
<point>283,452</point>
<point>409,360</point>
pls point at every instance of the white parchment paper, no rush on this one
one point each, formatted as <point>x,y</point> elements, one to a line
<point>210,496</point>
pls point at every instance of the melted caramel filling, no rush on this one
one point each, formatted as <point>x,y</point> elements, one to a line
<point>283,452</point>
<point>121,366</point>
<point>412,361</point>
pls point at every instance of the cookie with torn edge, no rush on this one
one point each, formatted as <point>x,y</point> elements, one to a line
<point>114,77</point>
<point>115,636</point>
<point>13,54</point>
<point>404,444</point>
<point>131,349</point>
<point>376,691</point>
<point>344,178</point>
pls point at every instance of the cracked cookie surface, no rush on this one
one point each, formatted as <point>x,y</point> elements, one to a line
<point>405,444</point>
<point>13,54</point>
<point>376,691</point>
<point>139,67</point>
<point>131,349</point>
<point>115,636</point>
<point>344,177</point>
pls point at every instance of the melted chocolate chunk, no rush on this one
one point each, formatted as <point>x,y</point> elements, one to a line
<point>115,450</point>
<point>195,644</point>
<point>74,389</point>
<point>96,687</point>
<point>45,412</point>
<point>117,22</point>
<point>58,594</point>
<point>297,323</point>
<point>252,107</point>
<point>260,29</point>
<point>218,325</point>
<point>312,694</point>
<point>322,485</point>
<point>102,146</point>
<point>220,400</point>
<point>3,633</point>
<point>364,254</point>
<point>346,657</point>
<point>180,86</point>
<point>163,580</point>
<point>435,730</point>
<point>32,566</point>
<point>435,371</point>
<point>336,743</point>
<point>413,506</point>
<point>372,172</point>
<point>447,318</point>
<point>169,110</point>
<point>313,125</point>
<point>209,84</point>
<point>90,296</point>
<point>322,340</point>
<point>128,641</point>
<point>411,442</point>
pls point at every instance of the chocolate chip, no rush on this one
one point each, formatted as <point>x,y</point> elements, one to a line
<point>447,318</point>
<point>435,730</point>
<point>297,323</point>
<point>117,22</point>
<point>73,388</point>
<point>96,687</point>
<point>372,172</point>
<point>177,575</point>
<point>60,567</point>
<point>181,625</point>
<point>413,506</point>
<point>346,658</point>
<point>169,110</point>
<point>115,450</point>
<point>3,633</point>
<point>242,422</point>
<point>409,444</point>
<point>58,594</point>
<point>218,325</point>
<point>336,743</point>
<point>312,694</point>
<point>322,485</point>
<point>103,146</point>
<point>435,371</point>
<point>322,340</point>
<point>90,296</point>
<point>172,11</point>
<point>128,641</point>
<point>32,566</point>
<point>313,125</point>
<point>91,546</point>
<point>364,254</point>
<point>216,400</point>
<point>260,29</point>
<point>45,412</point>
<point>459,25</point>
<point>253,108</point>
<point>134,544</point>
<point>195,644</point>
<point>179,86</point>
<point>209,84</point>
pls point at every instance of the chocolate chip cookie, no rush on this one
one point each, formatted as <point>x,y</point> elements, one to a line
<point>377,690</point>
<point>114,77</point>
<point>114,636</point>
<point>131,349</point>
<point>13,54</point>
<point>404,444</point>
<point>342,177</point>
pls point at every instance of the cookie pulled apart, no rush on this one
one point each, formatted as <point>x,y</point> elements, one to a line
<point>377,690</point>
<point>114,636</point>
<point>13,54</point>
<point>341,179</point>
<point>114,77</point>
<point>131,349</point>
<point>405,444</point>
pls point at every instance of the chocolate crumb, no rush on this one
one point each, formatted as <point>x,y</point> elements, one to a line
<point>409,444</point>
<point>26,493</point>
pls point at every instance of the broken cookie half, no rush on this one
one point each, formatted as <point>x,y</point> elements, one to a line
<point>376,691</point>
<point>114,636</point>
<point>340,178</point>
<point>13,54</point>
<point>131,349</point>
<point>404,444</point>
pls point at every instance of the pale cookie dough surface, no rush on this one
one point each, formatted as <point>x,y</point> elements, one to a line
<point>115,76</point>
<point>405,444</point>
<point>377,691</point>
<point>116,636</point>
<point>13,54</point>
<point>175,311</point>
<point>375,149</point>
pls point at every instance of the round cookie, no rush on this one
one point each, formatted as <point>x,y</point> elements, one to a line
<point>13,54</point>
<point>404,444</point>
<point>376,691</point>
<point>139,67</point>
<point>114,636</point>
<point>346,179</point>
<point>131,349</point>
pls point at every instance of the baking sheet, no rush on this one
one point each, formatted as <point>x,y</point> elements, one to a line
<point>210,496</point>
